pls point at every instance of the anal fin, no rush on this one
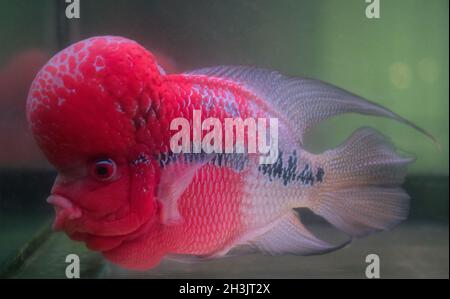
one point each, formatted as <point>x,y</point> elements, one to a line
<point>290,236</point>
<point>286,236</point>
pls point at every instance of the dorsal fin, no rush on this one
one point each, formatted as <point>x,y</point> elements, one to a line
<point>305,102</point>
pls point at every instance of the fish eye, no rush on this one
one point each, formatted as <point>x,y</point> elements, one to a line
<point>103,169</point>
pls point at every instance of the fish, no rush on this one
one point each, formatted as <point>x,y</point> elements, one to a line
<point>101,112</point>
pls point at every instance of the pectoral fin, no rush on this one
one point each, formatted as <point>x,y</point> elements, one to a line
<point>175,179</point>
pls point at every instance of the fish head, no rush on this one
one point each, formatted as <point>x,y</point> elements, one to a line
<point>92,110</point>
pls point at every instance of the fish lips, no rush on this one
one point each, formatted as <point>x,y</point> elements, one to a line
<point>98,235</point>
<point>65,211</point>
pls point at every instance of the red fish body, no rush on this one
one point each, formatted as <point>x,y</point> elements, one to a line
<point>101,111</point>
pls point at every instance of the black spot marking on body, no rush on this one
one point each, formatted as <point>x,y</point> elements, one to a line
<point>235,161</point>
<point>289,173</point>
<point>319,174</point>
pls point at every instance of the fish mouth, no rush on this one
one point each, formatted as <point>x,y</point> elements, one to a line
<point>98,235</point>
<point>65,211</point>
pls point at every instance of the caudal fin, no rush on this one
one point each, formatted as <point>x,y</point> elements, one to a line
<point>361,192</point>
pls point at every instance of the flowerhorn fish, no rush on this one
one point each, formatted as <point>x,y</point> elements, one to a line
<point>112,122</point>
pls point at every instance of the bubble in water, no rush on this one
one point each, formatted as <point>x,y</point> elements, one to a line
<point>400,75</point>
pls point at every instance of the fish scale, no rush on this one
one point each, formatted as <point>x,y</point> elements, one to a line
<point>213,217</point>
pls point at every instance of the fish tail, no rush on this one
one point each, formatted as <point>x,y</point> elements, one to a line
<point>361,191</point>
